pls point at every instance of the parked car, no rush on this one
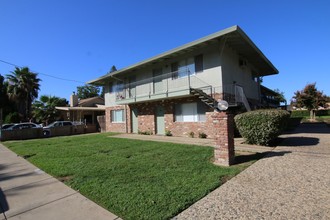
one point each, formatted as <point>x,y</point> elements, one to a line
<point>46,129</point>
<point>5,126</point>
<point>24,125</point>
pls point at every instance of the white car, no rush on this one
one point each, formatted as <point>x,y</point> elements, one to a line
<point>24,125</point>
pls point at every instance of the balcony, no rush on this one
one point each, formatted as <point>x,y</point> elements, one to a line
<point>168,85</point>
<point>177,84</point>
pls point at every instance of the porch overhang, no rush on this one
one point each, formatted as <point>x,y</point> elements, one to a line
<point>234,37</point>
<point>81,108</point>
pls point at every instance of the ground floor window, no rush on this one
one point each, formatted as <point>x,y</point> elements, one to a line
<point>190,112</point>
<point>117,115</point>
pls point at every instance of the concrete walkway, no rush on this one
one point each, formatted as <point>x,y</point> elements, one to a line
<point>239,145</point>
<point>27,193</point>
<point>292,182</point>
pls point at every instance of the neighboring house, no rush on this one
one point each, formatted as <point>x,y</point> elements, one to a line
<point>178,90</point>
<point>83,110</point>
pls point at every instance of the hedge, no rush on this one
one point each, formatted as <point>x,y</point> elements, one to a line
<point>299,113</point>
<point>305,113</point>
<point>261,126</point>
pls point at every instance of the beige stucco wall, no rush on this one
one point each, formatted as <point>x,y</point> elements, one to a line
<point>232,72</point>
<point>221,67</point>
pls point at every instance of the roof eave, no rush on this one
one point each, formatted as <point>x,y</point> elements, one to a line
<point>272,70</point>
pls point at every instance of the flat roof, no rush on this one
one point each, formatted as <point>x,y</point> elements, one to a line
<point>234,37</point>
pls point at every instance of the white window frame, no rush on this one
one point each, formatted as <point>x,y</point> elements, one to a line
<point>115,118</point>
<point>190,112</point>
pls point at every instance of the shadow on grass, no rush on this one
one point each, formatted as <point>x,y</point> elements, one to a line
<point>257,156</point>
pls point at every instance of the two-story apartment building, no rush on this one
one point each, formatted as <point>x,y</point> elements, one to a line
<point>178,90</point>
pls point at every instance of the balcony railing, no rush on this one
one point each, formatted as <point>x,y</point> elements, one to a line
<point>162,85</point>
<point>177,84</point>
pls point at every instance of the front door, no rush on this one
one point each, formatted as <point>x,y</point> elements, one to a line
<point>135,124</point>
<point>160,123</point>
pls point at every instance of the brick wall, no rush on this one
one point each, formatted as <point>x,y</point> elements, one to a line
<point>114,126</point>
<point>147,118</point>
<point>223,125</point>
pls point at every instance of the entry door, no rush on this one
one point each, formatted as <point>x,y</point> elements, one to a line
<point>160,122</point>
<point>135,124</point>
<point>158,81</point>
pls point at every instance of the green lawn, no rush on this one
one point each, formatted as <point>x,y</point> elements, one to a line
<point>133,179</point>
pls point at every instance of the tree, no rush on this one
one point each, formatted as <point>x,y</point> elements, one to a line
<point>310,98</point>
<point>9,113</point>
<point>23,87</point>
<point>44,110</point>
<point>280,96</point>
<point>113,69</point>
<point>3,93</point>
<point>87,91</point>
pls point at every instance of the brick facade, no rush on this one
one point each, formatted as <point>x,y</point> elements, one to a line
<point>115,126</point>
<point>147,118</point>
<point>218,125</point>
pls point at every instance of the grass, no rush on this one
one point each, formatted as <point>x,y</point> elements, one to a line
<point>133,179</point>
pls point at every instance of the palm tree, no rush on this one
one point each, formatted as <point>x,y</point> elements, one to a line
<point>44,109</point>
<point>23,87</point>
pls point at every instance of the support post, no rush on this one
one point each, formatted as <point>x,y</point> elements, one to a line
<point>224,152</point>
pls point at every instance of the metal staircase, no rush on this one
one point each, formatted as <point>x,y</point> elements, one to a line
<point>208,100</point>
<point>239,97</point>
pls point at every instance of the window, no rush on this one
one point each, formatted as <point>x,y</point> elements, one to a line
<point>117,115</point>
<point>190,112</point>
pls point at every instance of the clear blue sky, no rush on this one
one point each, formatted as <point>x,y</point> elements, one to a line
<point>81,40</point>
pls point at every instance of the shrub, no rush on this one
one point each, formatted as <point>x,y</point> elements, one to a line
<point>168,133</point>
<point>145,132</point>
<point>192,134</point>
<point>12,118</point>
<point>261,126</point>
<point>322,112</point>
<point>202,135</point>
<point>299,113</point>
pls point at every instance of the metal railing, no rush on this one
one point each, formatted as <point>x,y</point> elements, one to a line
<point>168,83</point>
<point>162,84</point>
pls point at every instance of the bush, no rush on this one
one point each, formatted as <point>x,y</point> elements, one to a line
<point>12,118</point>
<point>261,126</point>
<point>168,133</point>
<point>192,134</point>
<point>299,113</point>
<point>202,135</point>
<point>322,112</point>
